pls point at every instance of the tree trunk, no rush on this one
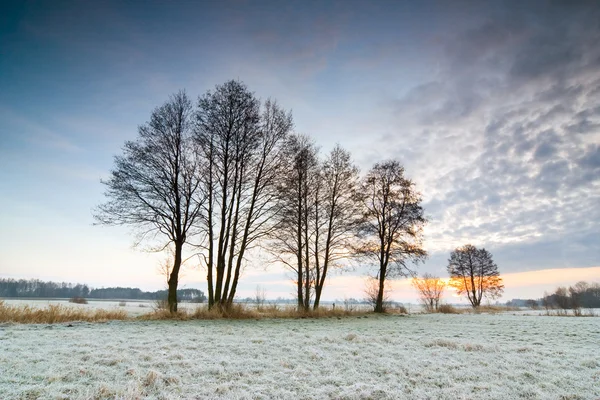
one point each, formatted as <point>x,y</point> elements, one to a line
<point>379,304</point>
<point>173,279</point>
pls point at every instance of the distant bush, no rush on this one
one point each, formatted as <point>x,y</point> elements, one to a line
<point>448,309</point>
<point>399,308</point>
<point>160,304</point>
<point>122,304</point>
<point>78,300</point>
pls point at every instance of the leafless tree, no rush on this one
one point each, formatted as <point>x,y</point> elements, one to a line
<point>430,288</point>
<point>391,227</point>
<point>154,185</point>
<point>474,273</point>
<point>298,186</point>
<point>533,304</point>
<point>318,217</point>
<point>561,298</point>
<point>372,293</point>
<point>335,214</point>
<point>241,143</point>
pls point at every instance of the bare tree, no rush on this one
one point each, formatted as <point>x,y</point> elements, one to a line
<point>242,144</point>
<point>291,242</point>
<point>430,288</point>
<point>372,293</point>
<point>154,185</point>
<point>561,299</point>
<point>391,228</point>
<point>474,273</point>
<point>335,214</point>
<point>319,215</point>
<point>533,304</point>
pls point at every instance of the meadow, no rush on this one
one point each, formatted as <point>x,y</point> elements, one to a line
<point>418,356</point>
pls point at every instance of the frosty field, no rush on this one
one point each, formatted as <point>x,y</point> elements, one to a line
<point>436,356</point>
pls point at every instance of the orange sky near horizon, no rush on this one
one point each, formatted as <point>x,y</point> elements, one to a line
<point>529,284</point>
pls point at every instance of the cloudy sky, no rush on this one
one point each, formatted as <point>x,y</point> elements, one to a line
<point>493,108</point>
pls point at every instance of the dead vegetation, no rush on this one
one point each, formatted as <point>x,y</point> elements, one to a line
<point>55,314</point>
<point>239,311</point>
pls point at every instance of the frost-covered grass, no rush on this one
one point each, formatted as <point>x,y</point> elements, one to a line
<point>435,356</point>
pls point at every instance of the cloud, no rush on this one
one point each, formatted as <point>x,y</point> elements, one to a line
<point>504,140</point>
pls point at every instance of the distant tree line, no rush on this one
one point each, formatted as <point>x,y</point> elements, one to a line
<point>580,295</point>
<point>34,288</point>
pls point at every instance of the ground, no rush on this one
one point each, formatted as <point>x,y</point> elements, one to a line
<point>436,356</point>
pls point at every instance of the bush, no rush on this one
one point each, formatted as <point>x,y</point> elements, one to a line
<point>78,300</point>
<point>399,309</point>
<point>122,304</point>
<point>448,309</point>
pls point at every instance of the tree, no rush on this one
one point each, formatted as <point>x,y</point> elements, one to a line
<point>474,273</point>
<point>430,288</point>
<point>371,291</point>
<point>298,186</point>
<point>318,215</point>
<point>241,143</point>
<point>155,185</point>
<point>335,214</point>
<point>391,226</point>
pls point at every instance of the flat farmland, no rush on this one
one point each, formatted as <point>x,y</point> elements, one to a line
<point>425,356</point>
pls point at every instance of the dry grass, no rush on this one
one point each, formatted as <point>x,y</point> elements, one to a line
<point>55,314</point>
<point>489,309</point>
<point>448,309</point>
<point>239,311</point>
<point>494,309</point>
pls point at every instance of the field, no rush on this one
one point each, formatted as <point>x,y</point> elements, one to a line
<point>485,356</point>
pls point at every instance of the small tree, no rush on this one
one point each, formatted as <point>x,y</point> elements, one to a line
<point>430,288</point>
<point>561,298</point>
<point>531,303</point>
<point>391,227</point>
<point>372,293</point>
<point>474,273</point>
<point>154,185</point>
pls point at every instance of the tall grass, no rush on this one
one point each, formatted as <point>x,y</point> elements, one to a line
<point>239,311</point>
<point>55,314</point>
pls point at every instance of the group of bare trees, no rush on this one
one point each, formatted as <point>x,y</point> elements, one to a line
<point>473,273</point>
<point>317,221</point>
<point>227,175</point>
<point>581,295</point>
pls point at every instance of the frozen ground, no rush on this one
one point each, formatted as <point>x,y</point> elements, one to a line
<point>415,357</point>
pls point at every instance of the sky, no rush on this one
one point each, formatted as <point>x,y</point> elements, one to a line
<point>492,107</point>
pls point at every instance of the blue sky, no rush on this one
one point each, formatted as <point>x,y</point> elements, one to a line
<point>493,108</point>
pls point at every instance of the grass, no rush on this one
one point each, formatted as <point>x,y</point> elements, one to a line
<point>26,314</point>
<point>239,311</point>
<point>55,314</point>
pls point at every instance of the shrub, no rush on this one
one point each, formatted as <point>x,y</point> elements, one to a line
<point>400,309</point>
<point>122,304</point>
<point>448,309</point>
<point>78,300</point>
